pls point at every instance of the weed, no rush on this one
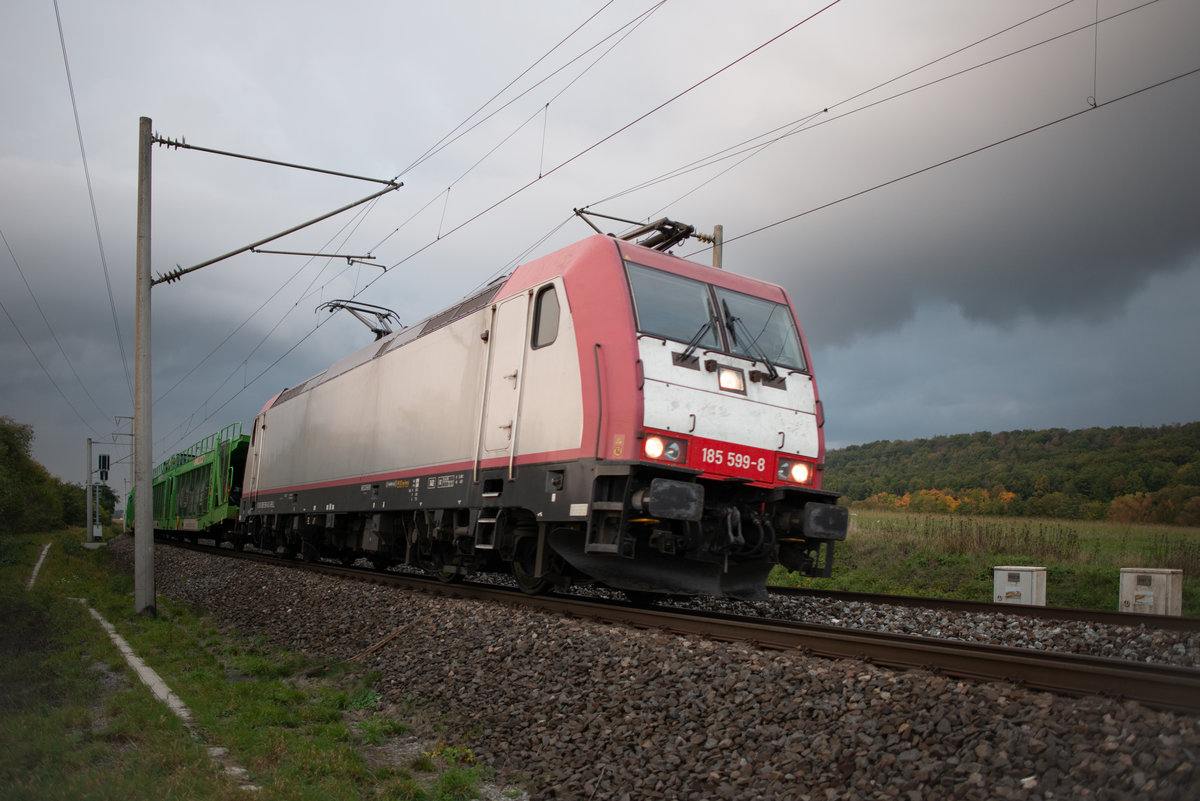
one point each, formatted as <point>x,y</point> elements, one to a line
<point>422,764</point>
<point>378,729</point>
<point>364,699</point>
<point>458,784</point>
<point>452,755</point>
<point>404,789</point>
<point>1175,553</point>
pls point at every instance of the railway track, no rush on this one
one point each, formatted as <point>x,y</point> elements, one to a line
<point>1166,622</point>
<point>1160,686</point>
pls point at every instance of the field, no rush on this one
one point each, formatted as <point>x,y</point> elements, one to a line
<point>952,556</point>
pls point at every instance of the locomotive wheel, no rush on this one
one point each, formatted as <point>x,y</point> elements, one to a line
<point>444,564</point>
<point>524,566</point>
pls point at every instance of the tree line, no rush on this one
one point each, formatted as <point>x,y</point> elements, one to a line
<point>1125,474</point>
<point>30,498</point>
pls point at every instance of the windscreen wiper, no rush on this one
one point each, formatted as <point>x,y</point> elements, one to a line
<point>695,341</point>
<point>751,343</point>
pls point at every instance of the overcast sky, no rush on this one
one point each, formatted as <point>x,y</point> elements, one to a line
<point>986,213</point>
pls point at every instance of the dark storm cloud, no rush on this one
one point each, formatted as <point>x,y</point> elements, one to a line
<point>1060,373</point>
<point>1070,221</point>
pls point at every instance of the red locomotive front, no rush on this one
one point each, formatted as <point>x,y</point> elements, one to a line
<point>715,417</point>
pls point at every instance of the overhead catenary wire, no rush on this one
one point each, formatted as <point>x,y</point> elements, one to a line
<point>50,328</point>
<point>1090,109</point>
<point>793,125</point>
<point>92,200</point>
<point>54,383</point>
<point>359,215</point>
<point>751,147</point>
<point>451,137</point>
<point>756,144</point>
<point>628,26</point>
<point>662,105</point>
<point>520,257</point>
<point>614,134</point>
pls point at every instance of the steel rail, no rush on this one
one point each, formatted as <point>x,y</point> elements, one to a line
<point>1168,687</point>
<point>1107,617</point>
<point>1162,686</point>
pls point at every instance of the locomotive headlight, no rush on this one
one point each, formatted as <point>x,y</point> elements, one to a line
<point>664,449</point>
<point>731,378</point>
<point>794,471</point>
<point>654,447</point>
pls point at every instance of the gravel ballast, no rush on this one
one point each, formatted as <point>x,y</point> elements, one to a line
<point>583,710</point>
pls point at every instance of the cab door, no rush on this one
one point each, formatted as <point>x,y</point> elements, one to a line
<point>257,443</point>
<point>505,376</point>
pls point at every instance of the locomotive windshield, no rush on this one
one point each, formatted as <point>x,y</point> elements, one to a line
<point>673,307</point>
<point>757,328</point>
<point>681,309</point>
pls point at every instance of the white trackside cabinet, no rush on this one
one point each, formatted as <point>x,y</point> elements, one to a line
<point>1151,591</point>
<point>1019,585</point>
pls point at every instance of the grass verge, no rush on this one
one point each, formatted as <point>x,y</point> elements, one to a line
<point>76,723</point>
<point>953,556</point>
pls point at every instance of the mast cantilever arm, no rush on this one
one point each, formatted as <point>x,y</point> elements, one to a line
<point>181,143</point>
<point>179,272</point>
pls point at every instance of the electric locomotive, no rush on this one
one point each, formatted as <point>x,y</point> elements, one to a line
<point>608,412</point>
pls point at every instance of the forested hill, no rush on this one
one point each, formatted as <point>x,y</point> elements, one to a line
<point>1129,474</point>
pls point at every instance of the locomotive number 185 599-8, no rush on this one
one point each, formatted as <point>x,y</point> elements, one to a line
<point>751,463</point>
<point>741,461</point>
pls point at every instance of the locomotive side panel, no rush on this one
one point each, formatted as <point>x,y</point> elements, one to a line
<point>401,411</point>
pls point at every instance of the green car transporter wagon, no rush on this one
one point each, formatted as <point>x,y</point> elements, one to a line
<point>199,489</point>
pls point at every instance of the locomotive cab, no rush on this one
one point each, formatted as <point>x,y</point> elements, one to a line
<point>722,478</point>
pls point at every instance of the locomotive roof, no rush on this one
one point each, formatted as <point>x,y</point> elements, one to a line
<point>525,276</point>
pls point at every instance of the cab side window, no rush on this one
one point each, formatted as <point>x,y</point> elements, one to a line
<point>545,318</point>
